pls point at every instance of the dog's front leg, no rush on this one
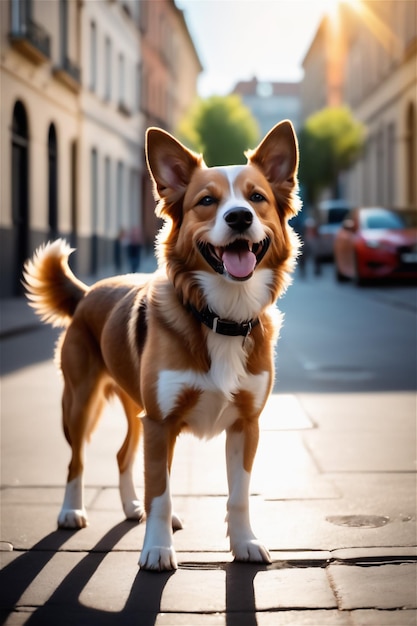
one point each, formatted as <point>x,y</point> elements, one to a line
<point>240,452</point>
<point>158,551</point>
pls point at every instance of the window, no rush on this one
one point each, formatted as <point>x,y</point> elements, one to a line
<point>411,155</point>
<point>63,20</point>
<point>107,69</point>
<point>120,198</point>
<point>74,186</point>
<point>367,171</point>
<point>137,86</point>
<point>107,196</point>
<point>21,12</point>
<point>94,190</point>
<point>52,183</point>
<point>391,161</point>
<point>377,219</point>
<point>380,167</point>
<point>410,26</point>
<point>121,79</point>
<point>144,89</point>
<point>93,56</point>
<point>134,198</point>
<point>94,210</point>
<point>28,36</point>
<point>20,191</point>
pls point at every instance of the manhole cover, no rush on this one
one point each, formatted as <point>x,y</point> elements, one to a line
<point>358,521</point>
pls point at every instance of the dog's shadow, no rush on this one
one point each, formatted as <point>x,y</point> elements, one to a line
<point>144,601</point>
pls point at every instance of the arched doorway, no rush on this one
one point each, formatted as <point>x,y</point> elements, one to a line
<point>20,192</point>
<point>411,157</point>
<point>52,183</point>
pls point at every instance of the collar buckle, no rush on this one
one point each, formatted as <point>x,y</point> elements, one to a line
<point>224,327</point>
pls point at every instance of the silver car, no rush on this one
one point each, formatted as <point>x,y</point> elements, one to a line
<point>328,219</point>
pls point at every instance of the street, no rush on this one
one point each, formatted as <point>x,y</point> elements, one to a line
<point>334,485</point>
<point>335,337</point>
<point>338,337</point>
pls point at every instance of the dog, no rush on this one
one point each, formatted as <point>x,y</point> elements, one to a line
<point>188,348</point>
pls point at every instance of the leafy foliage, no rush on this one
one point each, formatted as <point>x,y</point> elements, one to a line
<point>331,141</point>
<point>221,128</point>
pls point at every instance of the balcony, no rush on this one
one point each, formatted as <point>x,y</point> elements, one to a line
<point>32,40</point>
<point>69,74</point>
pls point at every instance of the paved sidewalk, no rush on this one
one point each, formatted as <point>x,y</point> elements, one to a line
<point>17,317</point>
<point>333,497</point>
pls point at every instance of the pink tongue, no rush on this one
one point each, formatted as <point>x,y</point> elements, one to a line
<point>239,264</point>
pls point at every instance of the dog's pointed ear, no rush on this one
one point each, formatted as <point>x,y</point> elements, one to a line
<point>277,154</point>
<point>277,157</point>
<point>170,164</point>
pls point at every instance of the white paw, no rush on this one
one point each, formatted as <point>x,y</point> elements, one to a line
<point>251,550</point>
<point>72,518</point>
<point>133,509</point>
<point>158,558</point>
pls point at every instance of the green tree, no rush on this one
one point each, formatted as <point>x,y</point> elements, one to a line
<point>221,128</point>
<point>331,141</point>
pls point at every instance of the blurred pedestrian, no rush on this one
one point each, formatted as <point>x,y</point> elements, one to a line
<point>134,246</point>
<point>118,245</point>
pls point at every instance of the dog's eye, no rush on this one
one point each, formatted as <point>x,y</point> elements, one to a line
<point>207,201</point>
<point>257,197</point>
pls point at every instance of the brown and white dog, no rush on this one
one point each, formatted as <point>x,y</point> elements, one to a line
<point>192,348</point>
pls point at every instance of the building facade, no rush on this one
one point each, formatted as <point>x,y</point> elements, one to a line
<point>366,57</point>
<point>170,69</point>
<point>40,85</point>
<point>381,89</point>
<point>324,65</point>
<point>111,131</point>
<point>271,102</point>
<point>77,93</point>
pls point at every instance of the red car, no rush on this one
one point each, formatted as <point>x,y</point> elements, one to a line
<point>376,243</point>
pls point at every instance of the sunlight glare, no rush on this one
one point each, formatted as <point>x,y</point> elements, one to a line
<point>366,13</point>
<point>330,8</point>
<point>379,28</point>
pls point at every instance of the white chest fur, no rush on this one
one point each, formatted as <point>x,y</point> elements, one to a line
<point>214,410</point>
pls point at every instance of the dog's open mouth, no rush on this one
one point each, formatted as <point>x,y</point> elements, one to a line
<point>238,259</point>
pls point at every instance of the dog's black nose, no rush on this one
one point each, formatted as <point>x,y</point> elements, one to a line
<point>239,219</point>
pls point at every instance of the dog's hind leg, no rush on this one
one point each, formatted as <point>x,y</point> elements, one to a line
<point>82,403</point>
<point>132,506</point>
<point>81,411</point>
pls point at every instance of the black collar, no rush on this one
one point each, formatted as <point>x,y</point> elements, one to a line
<point>223,327</point>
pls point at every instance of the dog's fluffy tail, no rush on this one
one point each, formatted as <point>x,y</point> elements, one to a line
<point>52,289</point>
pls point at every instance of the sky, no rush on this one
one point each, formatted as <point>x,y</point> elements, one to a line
<point>239,39</point>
